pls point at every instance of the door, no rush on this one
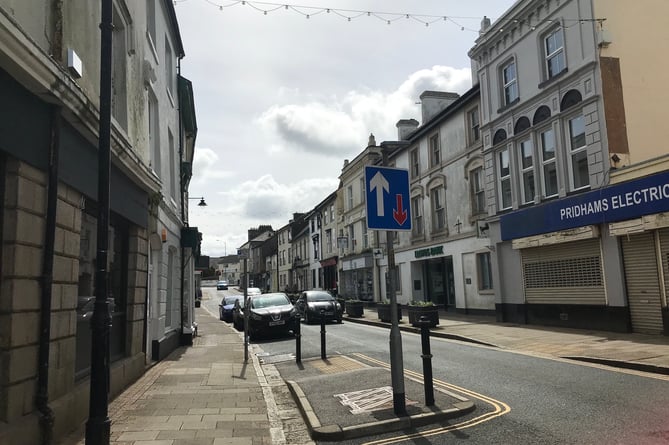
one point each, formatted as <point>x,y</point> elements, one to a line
<point>643,284</point>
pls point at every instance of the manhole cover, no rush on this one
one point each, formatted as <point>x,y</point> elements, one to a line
<point>367,400</point>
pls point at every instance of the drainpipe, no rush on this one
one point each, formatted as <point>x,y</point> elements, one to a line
<point>42,397</point>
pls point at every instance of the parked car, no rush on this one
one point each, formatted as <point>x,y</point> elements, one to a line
<point>268,314</point>
<point>253,291</point>
<point>222,285</point>
<point>226,305</point>
<point>310,303</point>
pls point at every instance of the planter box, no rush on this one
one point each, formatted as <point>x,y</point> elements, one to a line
<point>383,311</point>
<point>354,308</point>
<point>431,312</point>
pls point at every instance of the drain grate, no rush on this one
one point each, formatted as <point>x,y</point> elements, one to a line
<point>367,400</point>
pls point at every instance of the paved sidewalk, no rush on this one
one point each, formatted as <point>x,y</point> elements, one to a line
<point>200,395</point>
<point>649,353</point>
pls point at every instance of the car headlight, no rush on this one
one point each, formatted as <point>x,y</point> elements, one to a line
<point>255,316</point>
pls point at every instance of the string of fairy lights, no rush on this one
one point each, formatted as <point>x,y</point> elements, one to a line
<point>266,8</point>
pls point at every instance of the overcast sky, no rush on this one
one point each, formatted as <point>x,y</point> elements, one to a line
<point>282,100</point>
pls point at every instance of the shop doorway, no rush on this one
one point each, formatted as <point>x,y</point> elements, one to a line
<point>440,281</point>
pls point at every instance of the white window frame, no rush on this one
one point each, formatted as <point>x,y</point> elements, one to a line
<point>417,215</point>
<point>438,207</point>
<point>501,179</point>
<point>510,85</point>
<point>362,190</point>
<point>547,162</point>
<point>474,125</point>
<point>154,135</point>
<point>415,163</point>
<point>484,269</point>
<point>349,191</point>
<point>477,190</point>
<point>526,171</point>
<point>351,235</point>
<point>435,150</point>
<point>365,236</point>
<point>576,151</point>
<point>556,54</point>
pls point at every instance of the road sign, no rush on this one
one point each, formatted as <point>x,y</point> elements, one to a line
<point>387,194</point>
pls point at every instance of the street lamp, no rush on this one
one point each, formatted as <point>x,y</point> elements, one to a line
<point>201,203</point>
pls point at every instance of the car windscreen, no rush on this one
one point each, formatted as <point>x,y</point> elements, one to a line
<point>268,300</point>
<point>321,296</point>
<point>231,299</point>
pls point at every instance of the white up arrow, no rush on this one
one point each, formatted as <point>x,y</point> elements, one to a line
<point>380,183</point>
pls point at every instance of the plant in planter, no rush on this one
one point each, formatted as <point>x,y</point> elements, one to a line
<point>383,311</point>
<point>418,309</point>
<point>354,308</point>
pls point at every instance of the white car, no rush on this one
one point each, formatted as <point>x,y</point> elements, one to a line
<point>253,291</point>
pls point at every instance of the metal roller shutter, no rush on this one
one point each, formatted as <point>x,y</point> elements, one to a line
<point>643,286</point>
<point>568,273</point>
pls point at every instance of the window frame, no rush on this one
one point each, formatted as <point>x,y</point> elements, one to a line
<point>474,125</point>
<point>477,189</point>
<point>435,150</point>
<point>510,85</point>
<point>349,192</point>
<point>414,157</point>
<point>502,179</point>
<point>417,228</point>
<point>558,53</point>
<point>546,162</point>
<point>437,205</point>
<point>572,152</point>
<point>525,170</point>
<point>484,271</point>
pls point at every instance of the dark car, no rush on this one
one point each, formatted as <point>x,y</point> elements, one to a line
<point>222,285</point>
<point>311,302</point>
<point>268,314</point>
<point>226,305</point>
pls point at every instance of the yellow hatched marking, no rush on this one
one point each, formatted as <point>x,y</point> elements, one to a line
<point>499,408</point>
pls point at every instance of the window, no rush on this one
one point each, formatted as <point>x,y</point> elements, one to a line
<point>504,179</point>
<point>351,236</point>
<point>510,83</point>
<point>435,155</point>
<point>473,122</point>
<point>417,214</point>
<point>315,241</point>
<point>169,299</point>
<point>169,69</point>
<point>349,192</point>
<point>478,192</point>
<point>365,238</point>
<point>362,190</point>
<point>525,159</point>
<point>579,153</point>
<point>331,212</point>
<point>119,76</point>
<point>328,240</point>
<point>151,21</point>
<point>484,270</point>
<point>154,136</point>
<point>438,209</point>
<point>415,163</point>
<point>548,167</point>
<point>174,176</point>
<point>554,47</point>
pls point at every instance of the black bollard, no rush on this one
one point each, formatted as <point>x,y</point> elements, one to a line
<point>424,323</point>
<point>323,334</point>
<point>298,340</point>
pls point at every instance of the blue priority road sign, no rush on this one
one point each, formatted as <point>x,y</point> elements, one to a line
<point>387,195</point>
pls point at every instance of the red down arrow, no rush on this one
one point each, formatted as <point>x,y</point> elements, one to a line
<point>399,214</point>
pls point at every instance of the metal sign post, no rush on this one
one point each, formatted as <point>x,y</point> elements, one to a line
<point>246,313</point>
<point>387,195</point>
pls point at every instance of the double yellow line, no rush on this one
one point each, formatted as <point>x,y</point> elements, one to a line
<point>498,408</point>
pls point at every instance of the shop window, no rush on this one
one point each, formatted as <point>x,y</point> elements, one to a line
<point>484,270</point>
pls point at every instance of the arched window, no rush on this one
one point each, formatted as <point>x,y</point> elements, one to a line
<point>571,98</point>
<point>542,113</point>
<point>522,124</point>
<point>500,135</point>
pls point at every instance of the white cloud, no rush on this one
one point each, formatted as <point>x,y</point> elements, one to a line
<point>207,167</point>
<point>334,126</point>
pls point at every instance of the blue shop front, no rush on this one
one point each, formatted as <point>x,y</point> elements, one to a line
<point>596,260</point>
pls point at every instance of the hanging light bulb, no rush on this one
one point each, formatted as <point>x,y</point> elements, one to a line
<point>307,15</point>
<point>265,12</point>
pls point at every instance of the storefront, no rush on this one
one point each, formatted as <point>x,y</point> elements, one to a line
<point>598,259</point>
<point>357,278</point>
<point>329,274</point>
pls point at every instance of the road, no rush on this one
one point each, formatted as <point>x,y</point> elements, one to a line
<point>520,399</point>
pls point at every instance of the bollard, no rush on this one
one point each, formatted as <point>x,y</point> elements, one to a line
<point>298,340</point>
<point>323,334</point>
<point>424,324</point>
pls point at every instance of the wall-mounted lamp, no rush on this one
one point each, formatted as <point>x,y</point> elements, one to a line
<point>201,203</point>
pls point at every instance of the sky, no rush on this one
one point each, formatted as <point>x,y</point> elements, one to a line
<point>282,100</point>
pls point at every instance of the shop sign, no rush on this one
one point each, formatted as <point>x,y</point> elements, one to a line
<point>430,251</point>
<point>618,202</point>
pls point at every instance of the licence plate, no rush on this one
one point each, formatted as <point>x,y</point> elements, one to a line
<point>329,313</point>
<point>277,323</point>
